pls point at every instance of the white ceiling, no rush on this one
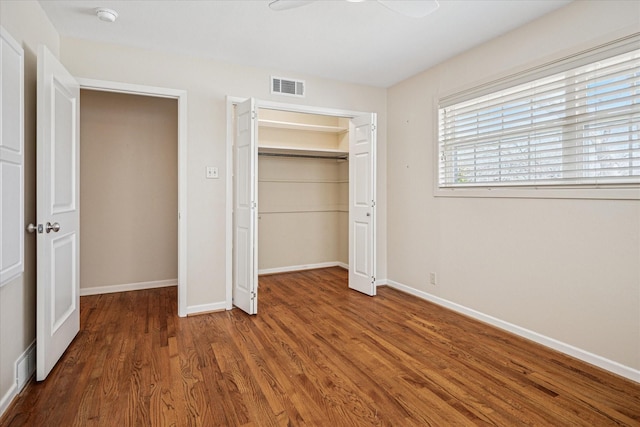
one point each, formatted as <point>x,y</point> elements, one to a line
<point>356,42</point>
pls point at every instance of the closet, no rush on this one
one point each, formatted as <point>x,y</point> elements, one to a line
<point>304,187</point>
<point>303,191</point>
<point>128,192</point>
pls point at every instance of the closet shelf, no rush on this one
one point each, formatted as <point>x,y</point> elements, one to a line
<point>301,126</point>
<point>303,211</point>
<point>300,151</point>
<point>305,181</point>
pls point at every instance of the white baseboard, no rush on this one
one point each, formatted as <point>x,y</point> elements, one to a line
<point>302,267</point>
<point>8,398</point>
<point>594,359</point>
<point>128,287</point>
<point>23,369</point>
<point>206,308</point>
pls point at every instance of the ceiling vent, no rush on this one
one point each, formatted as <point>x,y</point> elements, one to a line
<point>287,86</point>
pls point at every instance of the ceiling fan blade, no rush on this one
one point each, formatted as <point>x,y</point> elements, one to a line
<point>288,4</point>
<point>411,8</point>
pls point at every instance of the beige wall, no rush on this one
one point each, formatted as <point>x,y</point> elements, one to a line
<point>565,268</point>
<point>300,207</point>
<point>207,83</point>
<point>128,189</point>
<point>27,23</point>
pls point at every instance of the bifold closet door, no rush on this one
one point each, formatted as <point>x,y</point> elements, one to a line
<point>362,224</point>
<point>245,271</point>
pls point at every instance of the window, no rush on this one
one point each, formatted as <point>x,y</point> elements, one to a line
<point>573,123</point>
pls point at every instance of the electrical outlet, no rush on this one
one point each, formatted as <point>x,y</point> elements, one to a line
<point>432,279</point>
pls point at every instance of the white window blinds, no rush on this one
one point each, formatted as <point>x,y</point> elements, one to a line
<point>580,126</point>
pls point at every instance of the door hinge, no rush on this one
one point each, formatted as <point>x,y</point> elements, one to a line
<point>253,114</point>
<point>253,295</point>
<point>373,203</point>
<point>373,128</point>
<point>373,280</point>
<point>253,205</point>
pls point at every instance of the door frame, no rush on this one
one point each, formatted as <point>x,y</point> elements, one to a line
<point>181,97</point>
<point>232,101</point>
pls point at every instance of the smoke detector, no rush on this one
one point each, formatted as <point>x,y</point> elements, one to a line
<point>106,15</point>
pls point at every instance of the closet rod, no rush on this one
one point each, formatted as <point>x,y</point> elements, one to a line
<point>305,156</point>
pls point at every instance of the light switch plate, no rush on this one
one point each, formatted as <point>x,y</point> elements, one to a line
<point>212,172</point>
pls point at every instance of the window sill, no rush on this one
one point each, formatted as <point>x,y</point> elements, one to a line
<point>564,192</point>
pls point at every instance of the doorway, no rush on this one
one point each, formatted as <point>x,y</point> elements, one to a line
<point>333,135</point>
<point>180,96</point>
<point>128,192</point>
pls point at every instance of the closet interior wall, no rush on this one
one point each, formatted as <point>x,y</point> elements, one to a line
<point>303,201</point>
<point>128,190</point>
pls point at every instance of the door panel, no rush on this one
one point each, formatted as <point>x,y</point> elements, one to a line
<point>58,288</point>
<point>11,158</point>
<point>245,269</point>
<point>361,162</point>
<point>362,204</point>
<point>63,151</point>
<point>361,249</point>
<point>63,254</point>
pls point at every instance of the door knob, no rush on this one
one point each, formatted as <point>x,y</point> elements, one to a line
<point>32,228</point>
<point>55,227</point>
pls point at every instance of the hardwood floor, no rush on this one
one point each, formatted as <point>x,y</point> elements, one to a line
<point>317,354</point>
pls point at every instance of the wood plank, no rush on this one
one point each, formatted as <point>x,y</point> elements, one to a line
<point>316,354</point>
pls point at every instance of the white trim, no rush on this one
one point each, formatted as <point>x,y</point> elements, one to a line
<point>119,87</point>
<point>181,96</point>
<point>594,359</point>
<point>303,267</point>
<point>126,287</point>
<point>296,108</point>
<point>8,398</point>
<point>540,192</point>
<point>231,101</point>
<point>182,204</point>
<point>30,355</point>
<point>206,308</point>
<point>381,282</point>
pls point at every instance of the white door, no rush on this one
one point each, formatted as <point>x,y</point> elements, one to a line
<point>11,158</point>
<point>58,289</point>
<point>245,160</point>
<point>362,211</point>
